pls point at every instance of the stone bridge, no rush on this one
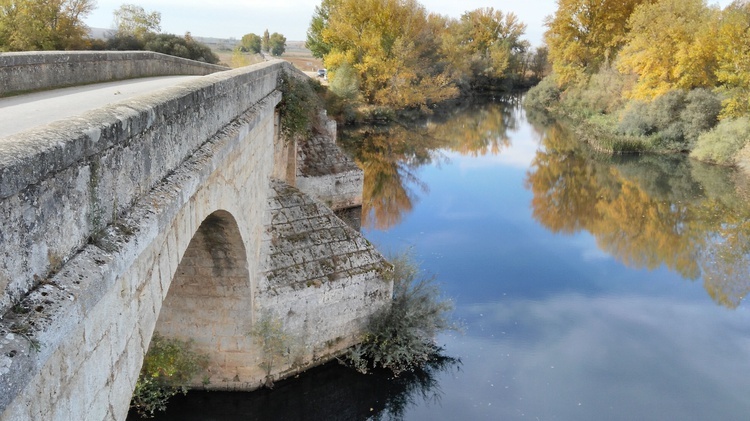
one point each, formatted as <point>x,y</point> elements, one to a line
<point>174,212</point>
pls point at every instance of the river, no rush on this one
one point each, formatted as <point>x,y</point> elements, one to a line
<point>588,287</point>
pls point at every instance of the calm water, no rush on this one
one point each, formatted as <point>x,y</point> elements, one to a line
<point>589,287</point>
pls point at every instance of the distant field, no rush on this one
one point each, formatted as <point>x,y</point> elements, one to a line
<point>295,53</point>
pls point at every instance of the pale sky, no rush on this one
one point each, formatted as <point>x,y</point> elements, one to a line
<point>291,18</point>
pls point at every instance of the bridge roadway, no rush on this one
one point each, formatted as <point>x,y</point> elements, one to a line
<point>23,112</point>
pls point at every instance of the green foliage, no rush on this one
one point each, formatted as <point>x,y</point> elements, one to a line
<point>251,43</point>
<point>167,367</point>
<point>315,42</point>
<point>277,44</point>
<point>299,106</point>
<point>266,41</point>
<point>274,341</point>
<point>173,45</point>
<point>722,144</point>
<point>400,337</point>
<point>544,95</point>
<point>133,20</point>
<point>345,82</point>
<point>676,118</point>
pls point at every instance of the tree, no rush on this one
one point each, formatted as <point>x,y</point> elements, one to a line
<point>733,58</point>
<point>393,46</point>
<point>133,20</point>
<point>671,45</point>
<point>584,34</point>
<point>266,43</point>
<point>315,42</point>
<point>251,43</point>
<point>44,25</point>
<point>277,44</point>
<point>485,43</point>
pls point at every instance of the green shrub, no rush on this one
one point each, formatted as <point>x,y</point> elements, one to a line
<point>701,113</point>
<point>722,144</point>
<point>636,120</point>
<point>273,340</point>
<point>544,95</point>
<point>401,336</point>
<point>168,366</point>
<point>675,119</point>
<point>299,106</point>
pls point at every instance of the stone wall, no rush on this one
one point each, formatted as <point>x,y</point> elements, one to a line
<point>156,215</point>
<point>28,71</point>
<point>97,213</point>
<point>321,278</point>
<point>61,184</point>
<point>326,173</point>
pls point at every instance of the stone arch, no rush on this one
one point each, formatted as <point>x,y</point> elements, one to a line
<point>210,300</point>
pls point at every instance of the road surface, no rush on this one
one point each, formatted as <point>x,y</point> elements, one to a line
<point>24,112</point>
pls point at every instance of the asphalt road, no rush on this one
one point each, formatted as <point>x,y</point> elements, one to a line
<point>24,112</point>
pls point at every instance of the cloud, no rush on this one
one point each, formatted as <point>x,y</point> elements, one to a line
<point>577,357</point>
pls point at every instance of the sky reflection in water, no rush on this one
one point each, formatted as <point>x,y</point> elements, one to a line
<point>589,287</point>
<point>558,328</point>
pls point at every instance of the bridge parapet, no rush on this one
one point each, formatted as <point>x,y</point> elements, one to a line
<point>38,70</point>
<point>62,183</point>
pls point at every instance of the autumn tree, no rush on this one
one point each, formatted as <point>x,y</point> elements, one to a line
<point>43,24</point>
<point>485,44</point>
<point>733,58</point>
<point>671,45</point>
<point>276,44</point>
<point>251,42</point>
<point>133,20</point>
<point>584,34</point>
<point>392,45</point>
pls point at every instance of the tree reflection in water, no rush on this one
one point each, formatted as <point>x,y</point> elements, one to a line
<point>647,211</point>
<point>390,155</point>
<point>330,392</point>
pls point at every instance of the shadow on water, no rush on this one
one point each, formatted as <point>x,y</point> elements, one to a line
<point>329,392</point>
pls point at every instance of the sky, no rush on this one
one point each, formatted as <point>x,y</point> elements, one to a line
<point>291,18</point>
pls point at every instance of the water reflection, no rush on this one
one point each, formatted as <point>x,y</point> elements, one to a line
<point>391,155</point>
<point>330,392</point>
<point>647,211</point>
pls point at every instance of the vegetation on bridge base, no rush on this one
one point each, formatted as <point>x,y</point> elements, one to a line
<point>401,336</point>
<point>167,367</point>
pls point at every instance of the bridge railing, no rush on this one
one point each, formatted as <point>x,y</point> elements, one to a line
<point>62,183</point>
<point>38,70</point>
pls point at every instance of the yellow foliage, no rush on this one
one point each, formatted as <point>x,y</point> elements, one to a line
<point>671,45</point>
<point>733,56</point>
<point>584,34</point>
<point>27,25</point>
<point>392,45</point>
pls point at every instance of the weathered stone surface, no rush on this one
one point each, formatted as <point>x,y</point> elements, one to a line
<point>326,173</point>
<point>157,215</point>
<point>321,278</point>
<point>25,71</point>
